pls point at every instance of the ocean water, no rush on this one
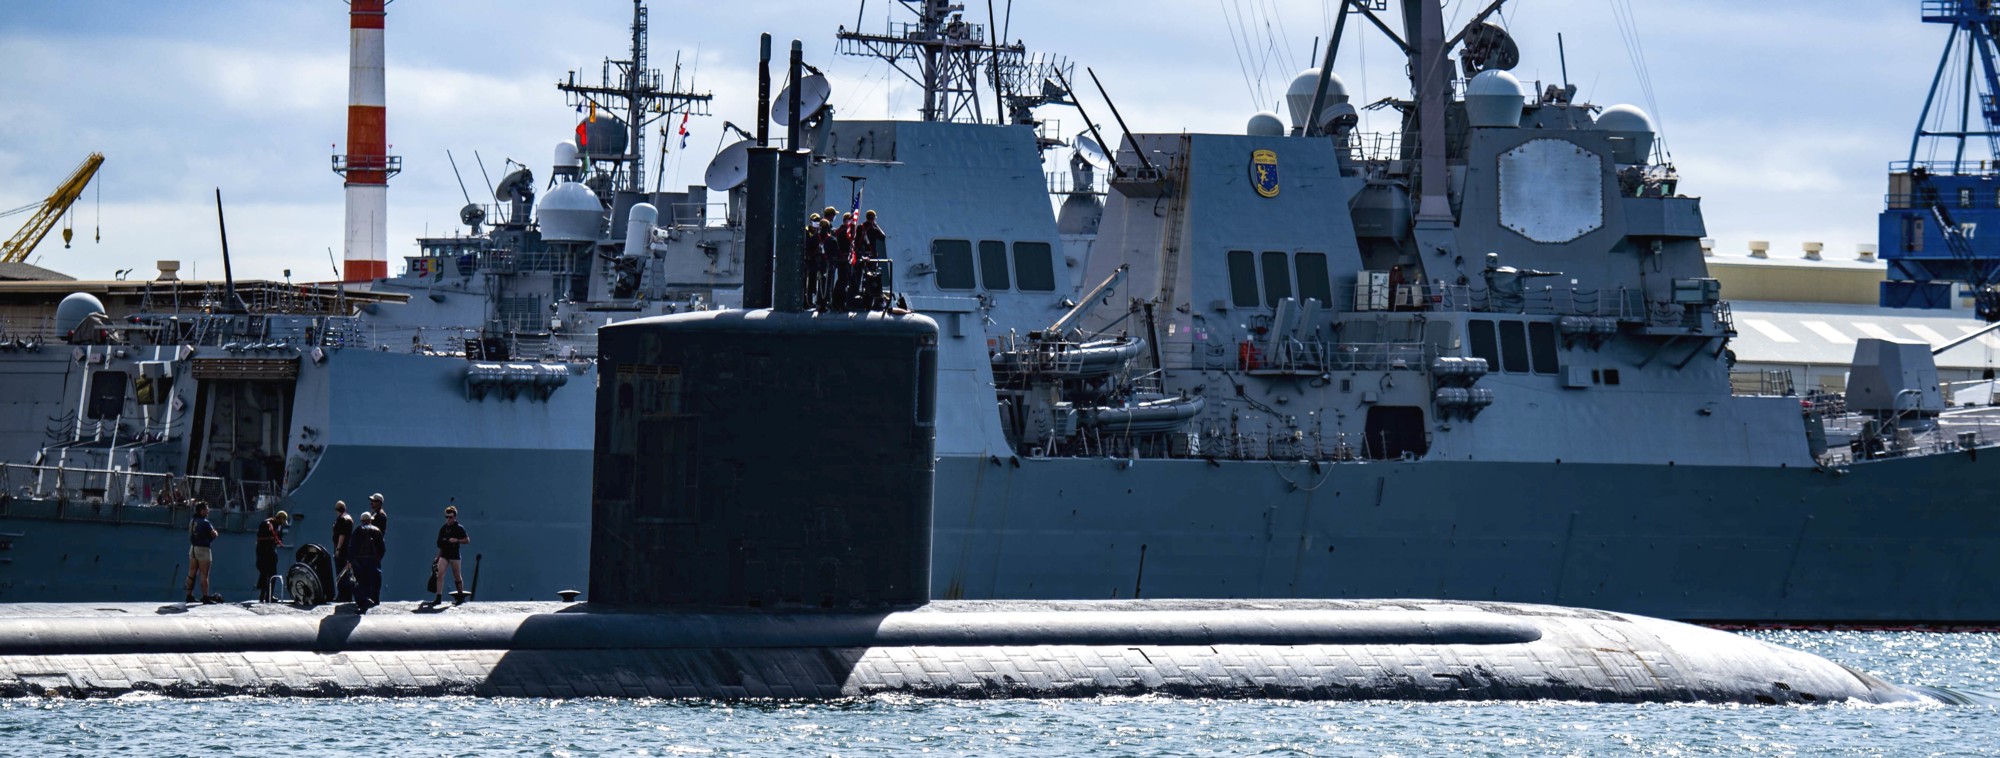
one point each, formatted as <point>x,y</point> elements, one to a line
<point>1100,728</point>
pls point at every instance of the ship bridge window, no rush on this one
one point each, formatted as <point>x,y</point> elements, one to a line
<point>1242,279</point>
<point>1514,347</point>
<point>993,265</point>
<point>1542,346</point>
<point>1313,281</point>
<point>1480,339</point>
<point>1277,278</point>
<point>1034,267</point>
<point>953,261</point>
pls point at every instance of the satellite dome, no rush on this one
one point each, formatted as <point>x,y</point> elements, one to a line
<point>1624,118</point>
<point>1265,124</point>
<point>571,213</point>
<point>71,312</point>
<point>1634,132</point>
<point>1299,96</point>
<point>1303,83</point>
<point>565,154</point>
<point>1494,98</point>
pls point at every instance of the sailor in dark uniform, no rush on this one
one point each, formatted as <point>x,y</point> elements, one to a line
<point>873,243</point>
<point>814,263</point>
<point>846,262</point>
<point>270,537</point>
<point>830,262</point>
<point>367,563</point>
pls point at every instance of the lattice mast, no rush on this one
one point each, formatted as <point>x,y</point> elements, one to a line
<point>950,57</point>
<point>639,96</point>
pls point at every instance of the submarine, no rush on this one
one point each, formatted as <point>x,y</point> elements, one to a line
<point>761,529</point>
<point>761,520</point>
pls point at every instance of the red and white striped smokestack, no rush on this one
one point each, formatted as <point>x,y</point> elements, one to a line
<point>367,165</point>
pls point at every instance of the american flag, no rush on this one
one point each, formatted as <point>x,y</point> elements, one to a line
<point>851,231</point>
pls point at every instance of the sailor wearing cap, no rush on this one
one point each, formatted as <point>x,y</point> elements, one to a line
<point>367,562</point>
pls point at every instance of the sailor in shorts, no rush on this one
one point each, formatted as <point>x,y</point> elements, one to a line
<point>201,534</point>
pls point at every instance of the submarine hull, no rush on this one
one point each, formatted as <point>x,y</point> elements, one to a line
<point>1307,650</point>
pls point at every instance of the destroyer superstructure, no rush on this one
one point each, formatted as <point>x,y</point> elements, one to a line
<point>1478,358</point>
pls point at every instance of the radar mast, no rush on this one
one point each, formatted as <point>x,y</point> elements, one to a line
<point>948,57</point>
<point>639,96</point>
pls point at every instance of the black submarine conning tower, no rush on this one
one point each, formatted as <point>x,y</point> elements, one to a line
<point>764,459</point>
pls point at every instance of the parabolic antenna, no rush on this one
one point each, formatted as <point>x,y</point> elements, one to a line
<point>730,167</point>
<point>1092,152</point>
<point>1488,47</point>
<point>813,92</point>
<point>516,182</point>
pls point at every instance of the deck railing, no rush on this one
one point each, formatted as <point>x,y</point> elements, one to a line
<point>1263,445</point>
<point>62,493</point>
<point>1769,382</point>
<point>133,488</point>
<point>1309,355</point>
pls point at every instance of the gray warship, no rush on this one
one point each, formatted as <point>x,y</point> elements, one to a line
<point>1475,359</point>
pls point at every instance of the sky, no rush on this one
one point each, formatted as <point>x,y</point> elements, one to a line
<point>1782,115</point>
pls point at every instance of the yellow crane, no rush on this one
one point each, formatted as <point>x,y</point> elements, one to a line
<point>48,212</point>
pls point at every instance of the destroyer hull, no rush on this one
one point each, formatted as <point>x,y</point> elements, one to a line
<point>1902,541</point>
<point>530,533</point>
<point>362,421</point>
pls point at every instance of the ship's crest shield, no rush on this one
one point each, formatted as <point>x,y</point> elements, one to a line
<point>1264,172</point>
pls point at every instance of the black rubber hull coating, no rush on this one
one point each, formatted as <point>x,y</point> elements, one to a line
<point>764,459</point>
<point>1346,650</point>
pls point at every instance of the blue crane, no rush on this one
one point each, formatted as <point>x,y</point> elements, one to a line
<point>1939,196</point>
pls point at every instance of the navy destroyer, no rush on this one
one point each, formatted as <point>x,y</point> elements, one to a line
<point>1477,358</point>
